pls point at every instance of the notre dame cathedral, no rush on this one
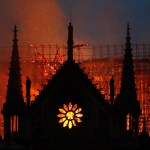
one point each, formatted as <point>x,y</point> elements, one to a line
<point>69,112</point>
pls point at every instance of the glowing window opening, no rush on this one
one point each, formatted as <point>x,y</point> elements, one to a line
<point>70,115</point>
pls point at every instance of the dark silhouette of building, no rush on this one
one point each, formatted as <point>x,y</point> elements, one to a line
<point>69,111</point>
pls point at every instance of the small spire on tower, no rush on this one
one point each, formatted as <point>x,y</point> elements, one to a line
<point>70,42</point>
<point>15,42</point>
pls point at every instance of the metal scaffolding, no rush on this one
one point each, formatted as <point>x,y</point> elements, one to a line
<point>100,63</point>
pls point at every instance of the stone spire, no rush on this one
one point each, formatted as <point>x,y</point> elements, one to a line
<point>14,88</point>
<point>128,87</point>
<point>70,42</point>
<point>126,102</point>
<point>14,107</point>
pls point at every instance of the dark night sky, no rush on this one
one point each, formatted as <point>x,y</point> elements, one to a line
<point>95,21</point>
<point>104,21</point>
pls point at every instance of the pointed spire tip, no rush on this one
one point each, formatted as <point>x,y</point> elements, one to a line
<point>15,28</point>
<point>128,26</point>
